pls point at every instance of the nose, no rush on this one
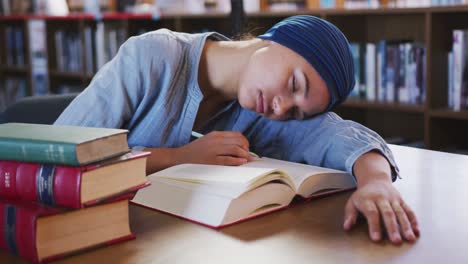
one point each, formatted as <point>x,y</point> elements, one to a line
<point>281,106</point>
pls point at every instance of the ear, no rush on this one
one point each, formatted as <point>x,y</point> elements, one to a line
<point>263,43</point>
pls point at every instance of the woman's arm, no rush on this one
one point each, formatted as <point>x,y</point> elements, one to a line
<point>325,140</point>
<point>329,141</point>
<point>112,96</point>
<point>380,203</point>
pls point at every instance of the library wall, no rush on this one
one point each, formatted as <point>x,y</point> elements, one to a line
<point>411,75</point>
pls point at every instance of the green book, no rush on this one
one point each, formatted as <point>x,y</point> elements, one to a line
<point>67,145</point>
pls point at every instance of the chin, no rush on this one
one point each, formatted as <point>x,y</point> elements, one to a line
<point>245,103</point>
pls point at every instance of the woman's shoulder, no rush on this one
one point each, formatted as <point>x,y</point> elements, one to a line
<point>165,39</point>
<point>164,46</point>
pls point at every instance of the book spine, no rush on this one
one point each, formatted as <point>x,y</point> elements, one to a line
<point>370,72</point>
<point>450,80</point>
<point>44,183</point>
<point>18,231</point>
<point>357,69</point>
<point>108,243</point>
<point>392,72</point>
<point>457,68</point>
<point>381,71</point>
<point>38,151</point>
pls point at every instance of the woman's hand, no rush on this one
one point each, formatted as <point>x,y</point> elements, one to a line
<point>380,203</point>
<point>382,206</point>
<point>218,147</point>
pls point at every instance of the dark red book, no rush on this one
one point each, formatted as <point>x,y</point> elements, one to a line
<point>73,187</point>
<point>40,233</point>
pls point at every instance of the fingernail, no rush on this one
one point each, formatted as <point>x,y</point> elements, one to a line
<point>396,238</point>
<point>375,236</point>
<point>347,223</point>
<point>410,235</point>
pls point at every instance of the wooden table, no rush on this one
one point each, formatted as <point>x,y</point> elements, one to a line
<point>434,184</point>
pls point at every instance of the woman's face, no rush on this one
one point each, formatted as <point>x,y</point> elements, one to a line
<point>279,84</point>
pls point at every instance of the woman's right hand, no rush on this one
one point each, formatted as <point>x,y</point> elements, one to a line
<point>216,148</point>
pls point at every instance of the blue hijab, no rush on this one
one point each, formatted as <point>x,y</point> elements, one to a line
<point>324,46</point>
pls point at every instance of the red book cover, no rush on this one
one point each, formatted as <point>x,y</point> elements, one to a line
<point>54,185</point>
<point>18,223</point>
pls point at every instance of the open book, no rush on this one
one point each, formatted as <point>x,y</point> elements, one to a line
<point>217,196</point>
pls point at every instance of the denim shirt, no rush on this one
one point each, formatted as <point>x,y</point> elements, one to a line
<point>151,88</point>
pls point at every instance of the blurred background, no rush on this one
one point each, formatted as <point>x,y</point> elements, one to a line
<point>410,56</point>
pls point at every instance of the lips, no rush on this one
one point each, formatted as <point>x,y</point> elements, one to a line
<point>265,105</point>
<point>260,104</point>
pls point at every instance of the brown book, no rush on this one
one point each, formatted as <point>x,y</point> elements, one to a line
<point>72,186</point>
<point>39,233</point>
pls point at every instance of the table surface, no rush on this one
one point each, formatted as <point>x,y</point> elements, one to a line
<point>434,184</point>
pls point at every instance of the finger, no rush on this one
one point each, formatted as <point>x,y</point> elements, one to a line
<point>226,134</point>
<point>390,221</point>
<point>351,215</point>
<point>230,161</point>
<point>411,217</point>
<point>219,139</point>
<point>234,151</point>
<point>403,221</point>
<point>235,138</point>
<point>371,213</point>
<point>235,142</point>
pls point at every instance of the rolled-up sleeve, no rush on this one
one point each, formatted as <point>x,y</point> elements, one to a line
<point>112,96</point>
<point>325,140</point>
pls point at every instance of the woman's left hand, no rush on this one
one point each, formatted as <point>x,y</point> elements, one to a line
<point>380,203</point>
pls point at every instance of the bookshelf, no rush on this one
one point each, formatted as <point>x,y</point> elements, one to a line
<point>431,122</point>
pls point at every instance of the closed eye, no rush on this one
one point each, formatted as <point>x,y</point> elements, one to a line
<point>294,84</point>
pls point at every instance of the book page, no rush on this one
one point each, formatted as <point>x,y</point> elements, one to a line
<point>214,175</point>
<point>299,172</point>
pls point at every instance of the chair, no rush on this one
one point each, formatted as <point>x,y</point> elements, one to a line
<point>37,109</point>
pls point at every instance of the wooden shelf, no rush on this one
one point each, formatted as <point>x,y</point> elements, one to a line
<point>449,114</point>
<point>449,9</point>
<point>14,69</point>
<point>393,107</point>
<point>70,75</point>
<point>396,11</point>
<point>316,12</point>
<point>376,11</point>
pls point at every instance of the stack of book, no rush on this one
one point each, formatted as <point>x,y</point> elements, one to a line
<point>64,189</point>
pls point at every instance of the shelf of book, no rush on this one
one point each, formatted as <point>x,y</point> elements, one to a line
<point>427,27</point>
